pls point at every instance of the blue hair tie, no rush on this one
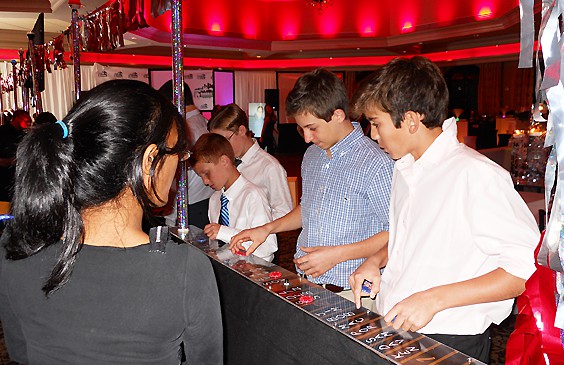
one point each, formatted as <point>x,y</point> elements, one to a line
<point>64,128</point>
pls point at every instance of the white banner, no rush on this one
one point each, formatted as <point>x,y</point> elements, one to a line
<point>201,84</point>
<point>106,73</point>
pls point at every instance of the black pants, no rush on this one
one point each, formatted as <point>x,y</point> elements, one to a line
<point>198,213</point>
<point>197,216</point>
<point>477,346</point>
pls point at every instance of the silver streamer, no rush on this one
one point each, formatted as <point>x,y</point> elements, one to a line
<point>549,88</point>
<point>527,34</point>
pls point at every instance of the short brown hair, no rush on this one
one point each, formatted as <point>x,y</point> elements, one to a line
<point>209,148</point>
<point>229,118</point>
<point>404,85</point>
<point>319,93</point>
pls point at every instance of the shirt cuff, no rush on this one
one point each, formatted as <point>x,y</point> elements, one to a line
<point>225,233</point>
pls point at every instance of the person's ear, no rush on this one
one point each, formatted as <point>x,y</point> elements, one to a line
<point>148,156</point>
<point>225,161</point>
<point>338,116</point>
<point>412,120</point>
<point>242,130</point>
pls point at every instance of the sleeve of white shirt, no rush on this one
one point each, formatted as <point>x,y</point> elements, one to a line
<point>503,225</point>
<point>214,207</point>
<point>225,233</point>
<point>256,213</point>
<point>279,192</point>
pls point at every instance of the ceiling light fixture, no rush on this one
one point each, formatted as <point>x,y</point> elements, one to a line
<point>320,5</point>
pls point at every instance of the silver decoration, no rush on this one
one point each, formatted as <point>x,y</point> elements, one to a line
<point>551,90</point>
<point>76,50</point>
<point>178,99</point>
<point>527,33</point>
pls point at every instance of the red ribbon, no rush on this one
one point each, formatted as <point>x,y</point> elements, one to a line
<point>535,340</point>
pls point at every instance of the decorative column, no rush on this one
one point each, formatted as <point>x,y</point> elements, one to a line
<point>75,5</point>
<point>36,92</point>
<point>15,81</point>
<point>1,101</point>
<point>23,76</point>
<point>178,99</point>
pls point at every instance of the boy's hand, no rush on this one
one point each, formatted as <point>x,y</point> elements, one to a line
<point>369,271</point>
<point>256,235</point>
<point>211,230</point>
<point>318,260</point>
<point>414,312</point>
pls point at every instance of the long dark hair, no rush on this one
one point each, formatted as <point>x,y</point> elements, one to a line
<point>57,178</point>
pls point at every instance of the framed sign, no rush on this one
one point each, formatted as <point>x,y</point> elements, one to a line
<point>201,84</point>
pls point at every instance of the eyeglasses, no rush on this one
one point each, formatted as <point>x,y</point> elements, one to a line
<point>184,156</point>
<point>232,134</point>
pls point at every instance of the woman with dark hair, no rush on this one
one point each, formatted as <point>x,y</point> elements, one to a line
<point>80,282</point>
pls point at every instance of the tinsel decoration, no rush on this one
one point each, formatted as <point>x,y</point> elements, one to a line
<point>7,83</point>
<point>538,335</point>
<point>102,30</point>
<point>59,52</point>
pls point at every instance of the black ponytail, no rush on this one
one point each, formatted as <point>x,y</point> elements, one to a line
<point>58,178</point>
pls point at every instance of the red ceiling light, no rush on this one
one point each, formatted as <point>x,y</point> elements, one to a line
<point>289,29</point>
<point>289,36</point>
<point>367,28</point>
<point>216,29</point>
<point>250,29</point>
<point>368,31</point>
<point>485,12</point>
<point>407,27</point>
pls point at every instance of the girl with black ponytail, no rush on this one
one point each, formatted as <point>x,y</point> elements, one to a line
<point>78,281</point>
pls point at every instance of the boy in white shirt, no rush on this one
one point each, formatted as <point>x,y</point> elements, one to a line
<point>237,203</point>
<point>257,165</point>
<point>461,238</point>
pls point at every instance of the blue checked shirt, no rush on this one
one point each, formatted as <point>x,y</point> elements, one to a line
<point>345,198</point>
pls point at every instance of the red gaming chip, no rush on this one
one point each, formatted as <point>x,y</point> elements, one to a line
<point>275,275</point>
<point>306,299</point>
<point>241,253</point>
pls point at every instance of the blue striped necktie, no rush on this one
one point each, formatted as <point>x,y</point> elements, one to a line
<point>224,212</point>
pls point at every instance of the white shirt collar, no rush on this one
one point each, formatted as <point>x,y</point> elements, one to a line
<point>192,113</point>
<point>248,156</point>
<point>436,151</point>
<point>235,188</point>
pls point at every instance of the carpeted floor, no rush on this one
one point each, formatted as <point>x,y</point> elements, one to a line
<point>287,244</point>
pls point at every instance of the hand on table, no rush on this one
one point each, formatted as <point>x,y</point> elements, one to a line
<point>318,260</point>
<point>211,230</point>
<point>256,235</point>
<point>369,271</point>
<point>414,312</point>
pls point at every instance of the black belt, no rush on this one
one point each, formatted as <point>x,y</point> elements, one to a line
<point>331,287</point>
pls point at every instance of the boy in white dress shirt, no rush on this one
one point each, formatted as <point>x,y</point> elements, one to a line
<point>257,165</point>
<point>237,203</point>
<point>461,238</point>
